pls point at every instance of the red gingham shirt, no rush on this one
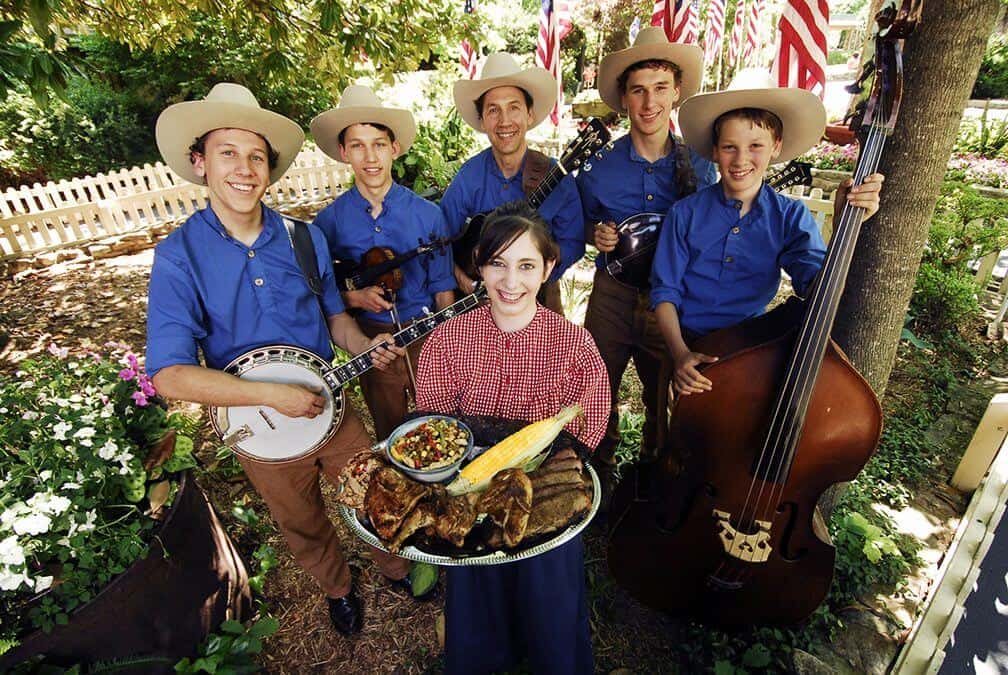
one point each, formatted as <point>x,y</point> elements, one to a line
<point>469,366</point>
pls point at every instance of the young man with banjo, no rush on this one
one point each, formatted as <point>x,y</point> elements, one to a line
<point>228,283</point>
<point>378,213</point>
<point>504,103</point>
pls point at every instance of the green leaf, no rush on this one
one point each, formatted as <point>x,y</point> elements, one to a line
<point>757,656</point>
<point>264,627</point>
<point>423,576</point>
<point>724,668</point>
<point>232,626</point>
<point>7,29</point>
<point>39,13</point>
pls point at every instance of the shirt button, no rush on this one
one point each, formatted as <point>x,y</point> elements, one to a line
<point>251,254</point>
<point>650,197</point>
<point>729,259</point>
<point>736,230</point>
<point>259,281</point>
<point>377,228</point>
<point>650,170</point>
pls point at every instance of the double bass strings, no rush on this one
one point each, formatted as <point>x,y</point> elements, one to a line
<point>773,450</point>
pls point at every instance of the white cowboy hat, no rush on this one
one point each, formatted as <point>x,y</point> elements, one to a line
<point>651,43</point>
<point>800,111</point>
<point>502,70</point>
<point>360,105</point>
<point>227,106</point>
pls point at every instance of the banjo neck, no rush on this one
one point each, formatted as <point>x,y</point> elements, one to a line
<point>337,376</point>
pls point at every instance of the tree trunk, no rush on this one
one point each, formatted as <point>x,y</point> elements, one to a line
<point>942,58</point>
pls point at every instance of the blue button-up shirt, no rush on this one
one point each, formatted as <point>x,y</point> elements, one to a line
<point>479,186</point>
<point>212,291</point>
<point>621,184</point>
<point>405,221</point>
<point>719,269</point>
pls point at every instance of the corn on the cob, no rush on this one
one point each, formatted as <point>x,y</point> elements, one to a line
<point>513,451</point>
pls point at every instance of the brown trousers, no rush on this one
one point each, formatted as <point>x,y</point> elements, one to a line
<point>623,326</point>
<point>388,393</point>
<point>294,496</point>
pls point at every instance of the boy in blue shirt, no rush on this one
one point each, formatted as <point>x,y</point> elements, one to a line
<point>377,211</point>
<point>721,250</point>
<point>227,281</point>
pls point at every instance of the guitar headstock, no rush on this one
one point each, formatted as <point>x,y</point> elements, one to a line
<point>794,173</point>
<point>592,137</point>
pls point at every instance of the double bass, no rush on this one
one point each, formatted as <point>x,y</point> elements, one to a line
<point>731,534</point>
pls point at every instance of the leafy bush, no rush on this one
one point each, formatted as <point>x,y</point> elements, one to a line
<point>992,80</point>
<point>77,503</point>
<point>982,136</point>
<point>436,155</point>
<point>978,170</point>
<point>943,298</point>
<point>830,156</point>
<point>965,226</point>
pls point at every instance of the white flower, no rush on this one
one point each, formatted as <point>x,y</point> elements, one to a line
<point>84,436</point>
<point>87,526</point>
<point>42,583</point>
<point>60,430</point>
<point>4,411</point>
<point>49,503</point>
<point>11,552</point>
<point>70,486</point>
<point>11,514</point>
<point>45,475</point>
<point>109,450</point>
<point>30,415</point>
<point>34,523</point>
<point>10,581</point>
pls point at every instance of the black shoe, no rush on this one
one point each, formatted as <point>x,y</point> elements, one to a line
<point>345,613</point>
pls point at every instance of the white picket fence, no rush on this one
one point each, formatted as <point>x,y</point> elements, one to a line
<point>73,212</point>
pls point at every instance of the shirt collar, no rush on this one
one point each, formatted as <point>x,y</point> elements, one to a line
<point>661,161</point>
<point>759,204</point>
<point>495,170</point>
<point>270,219</point>
<point>395,195</point>
<point>532,326</point>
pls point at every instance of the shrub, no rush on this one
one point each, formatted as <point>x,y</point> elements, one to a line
<point>982,136</point>
<point>978,170</point>
<point>943,299</point>
<point>436,154</point>
<point>830,156</point>
<point>80,493</point>
<point>992,80</point>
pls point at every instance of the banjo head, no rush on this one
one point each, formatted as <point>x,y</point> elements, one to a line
<point>262,434</point>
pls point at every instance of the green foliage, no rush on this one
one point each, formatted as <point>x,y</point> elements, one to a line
<point>983,136</point>
<point>944,299</point>
<point>233,650</point>
<point>436,155</point>
<point>74,435</point>
<point>992,80</point>
<point>631,427</point>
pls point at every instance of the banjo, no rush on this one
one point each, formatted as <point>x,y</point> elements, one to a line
<point>262,434</point>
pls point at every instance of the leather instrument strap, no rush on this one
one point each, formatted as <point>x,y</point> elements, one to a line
<point>534,169</point>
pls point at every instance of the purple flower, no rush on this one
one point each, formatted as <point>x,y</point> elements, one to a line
<point>59,352</point>
<point>127,374</point>
<point>131,359</point>
<point>145,385</point>
<point>139,398</point>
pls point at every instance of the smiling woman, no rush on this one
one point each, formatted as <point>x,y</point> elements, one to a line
<point>515,359</point>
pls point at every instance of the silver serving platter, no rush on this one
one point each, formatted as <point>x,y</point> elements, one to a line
<point>410,552</point>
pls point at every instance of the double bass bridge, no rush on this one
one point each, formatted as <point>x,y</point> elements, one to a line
<point>751,547</point>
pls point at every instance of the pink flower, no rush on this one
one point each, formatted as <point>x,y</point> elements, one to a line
<point>127,374</point>
<point>139,398</point>
<point>59,352</point>
<point>132,360</point>
<point>145,385</point>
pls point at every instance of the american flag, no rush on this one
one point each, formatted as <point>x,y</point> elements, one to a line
<point>678,18</point>
<point>735,46</point>
<point>752,30</point>
<point>467,58</point>
<point>634,29</point>
<point>547,54</point>
<point>801,56</point>
<point>714,37</point>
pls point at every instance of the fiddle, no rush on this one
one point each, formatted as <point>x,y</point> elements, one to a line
<point>733,534</point>
<point>380,266</point>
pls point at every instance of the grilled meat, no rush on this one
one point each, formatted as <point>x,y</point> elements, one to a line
<point>420,517</point>
<point>356,476</point>
<point>508,502</point>
<point>389,499</point>
<point>455,516</point>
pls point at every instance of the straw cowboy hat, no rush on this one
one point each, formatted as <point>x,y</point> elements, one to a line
<point>360,105</point>
<point>800,111</point>
<point>501,70</point>
<point>651,43</point>
<point>227,106</point>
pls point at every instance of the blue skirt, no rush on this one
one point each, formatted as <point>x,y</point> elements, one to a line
<point>535,609</point>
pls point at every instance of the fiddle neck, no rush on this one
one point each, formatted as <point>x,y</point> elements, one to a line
<point>791,405</point>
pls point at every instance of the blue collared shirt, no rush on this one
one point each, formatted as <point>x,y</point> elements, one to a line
<point>621,184</point>
<point>211,291</point>
<point>719,269</point>
<point>405,220</point>
<point>479,186</point>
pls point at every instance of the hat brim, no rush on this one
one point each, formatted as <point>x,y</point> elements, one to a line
<point>326,127</point>
<point>800,111</point>
<point>538,82</point>
<point>179,125</point>
<point>689,58</point>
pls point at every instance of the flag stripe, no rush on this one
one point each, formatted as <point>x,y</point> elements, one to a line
<point>801,56</point>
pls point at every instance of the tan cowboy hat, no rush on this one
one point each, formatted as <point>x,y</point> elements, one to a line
<point>502,70</point>
<point>651,43</point>
<point>227,106</point>
<point>800,111</point>
<point>360,105</point>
